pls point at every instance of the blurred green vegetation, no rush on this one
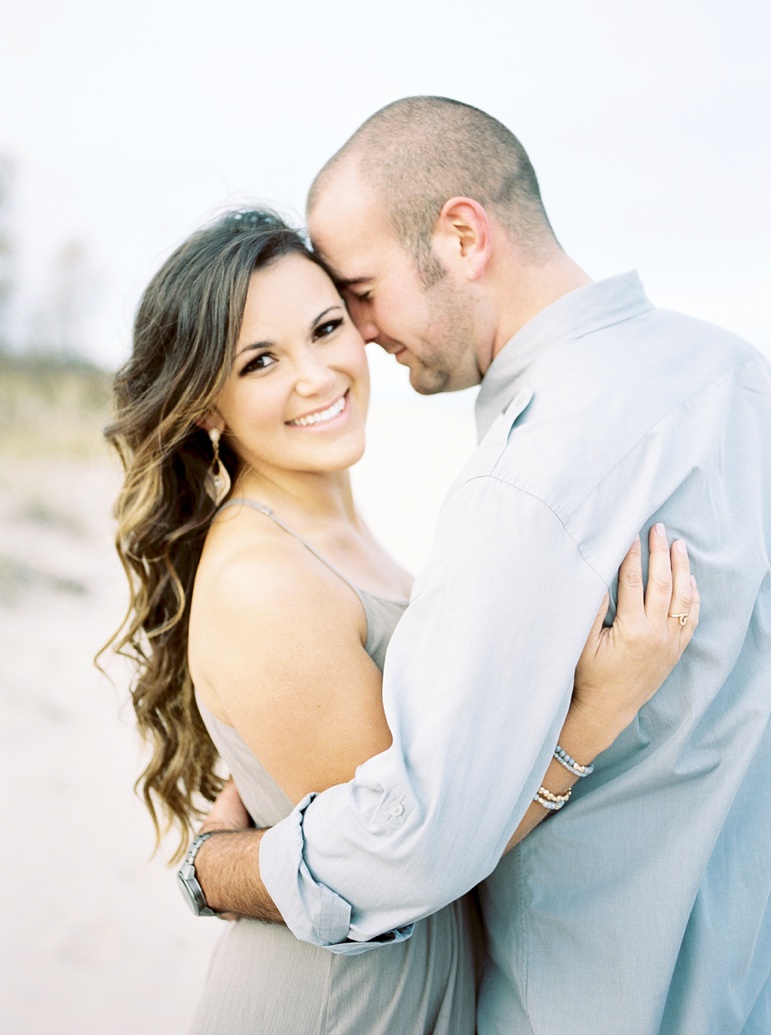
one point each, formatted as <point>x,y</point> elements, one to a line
<point>52,405</point>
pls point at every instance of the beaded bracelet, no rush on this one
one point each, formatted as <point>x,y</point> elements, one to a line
<point>552,802</point>
<point>570,763</point>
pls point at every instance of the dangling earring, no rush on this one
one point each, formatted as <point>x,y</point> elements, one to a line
<point>217,482</point>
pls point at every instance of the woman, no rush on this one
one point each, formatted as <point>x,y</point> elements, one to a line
<point>277,608</point>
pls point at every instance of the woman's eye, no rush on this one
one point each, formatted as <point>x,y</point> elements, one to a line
<point>261,362</point>
<point>323,330</point>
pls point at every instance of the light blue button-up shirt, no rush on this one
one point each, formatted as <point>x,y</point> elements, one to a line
<point>643,907</point>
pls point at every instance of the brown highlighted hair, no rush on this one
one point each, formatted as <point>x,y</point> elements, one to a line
<point>185,332</point>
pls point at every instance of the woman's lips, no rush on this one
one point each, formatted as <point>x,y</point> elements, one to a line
<point>321,417</point>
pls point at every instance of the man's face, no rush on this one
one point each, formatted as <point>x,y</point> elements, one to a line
<point>429,330</point>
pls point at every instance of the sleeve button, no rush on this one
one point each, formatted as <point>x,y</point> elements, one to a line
<point>395,808</point>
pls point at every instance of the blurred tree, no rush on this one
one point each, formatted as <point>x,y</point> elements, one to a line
<point>6,253</point>
<point>71,291</point>
<point>58,323</point>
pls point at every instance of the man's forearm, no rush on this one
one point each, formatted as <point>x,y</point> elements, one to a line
<point>228,869</point>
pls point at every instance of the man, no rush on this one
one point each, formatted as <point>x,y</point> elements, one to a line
<point>643,907</point>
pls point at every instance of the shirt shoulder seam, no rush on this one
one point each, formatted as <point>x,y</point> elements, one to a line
<point>607,471</point>
<point>492,476</point>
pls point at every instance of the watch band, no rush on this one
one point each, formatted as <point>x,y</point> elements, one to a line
<point>188,881</point>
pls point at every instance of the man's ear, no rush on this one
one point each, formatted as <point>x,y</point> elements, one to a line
<point>462,237</point>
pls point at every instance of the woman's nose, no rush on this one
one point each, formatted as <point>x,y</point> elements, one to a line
<point>314,376</point>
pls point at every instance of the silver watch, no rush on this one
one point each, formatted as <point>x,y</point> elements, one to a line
<point>188,882</point>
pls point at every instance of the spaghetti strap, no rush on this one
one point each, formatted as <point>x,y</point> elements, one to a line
<point>262,509</point>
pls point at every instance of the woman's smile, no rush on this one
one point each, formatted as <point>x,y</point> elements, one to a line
<point>322,418</point>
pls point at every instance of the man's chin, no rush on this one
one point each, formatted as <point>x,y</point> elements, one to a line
<point>432,382</point>
<point>428,382</point>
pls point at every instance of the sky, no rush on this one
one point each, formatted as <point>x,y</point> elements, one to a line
<point>127,125</point>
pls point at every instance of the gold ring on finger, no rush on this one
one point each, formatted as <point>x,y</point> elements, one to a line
<point>682,617</point>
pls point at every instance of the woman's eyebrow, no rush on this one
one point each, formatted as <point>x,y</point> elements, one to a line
<point>324,312</point>
<point>255,345</point>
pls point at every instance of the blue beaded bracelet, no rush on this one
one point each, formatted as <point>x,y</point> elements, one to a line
<point>570,763</point>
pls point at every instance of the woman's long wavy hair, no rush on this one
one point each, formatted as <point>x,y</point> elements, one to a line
<point>184,339</point>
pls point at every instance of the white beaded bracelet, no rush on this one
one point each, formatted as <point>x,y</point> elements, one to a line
<point>552,802</point>
<point>570,763</point>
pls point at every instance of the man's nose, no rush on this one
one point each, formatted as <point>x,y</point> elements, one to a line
<point>363,321</point>
<point>370,332</point>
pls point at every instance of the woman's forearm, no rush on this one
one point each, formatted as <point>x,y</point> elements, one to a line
<point>583,738</point>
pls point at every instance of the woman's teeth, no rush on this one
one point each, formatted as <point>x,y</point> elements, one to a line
<point>323,416</point>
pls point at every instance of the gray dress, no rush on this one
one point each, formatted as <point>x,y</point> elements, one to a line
<point>263,981</point>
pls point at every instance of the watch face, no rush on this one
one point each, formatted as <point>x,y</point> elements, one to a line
<point>190,891</point>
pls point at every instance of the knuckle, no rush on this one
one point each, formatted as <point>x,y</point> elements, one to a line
<point>645,638</point>
<point>634,553</point>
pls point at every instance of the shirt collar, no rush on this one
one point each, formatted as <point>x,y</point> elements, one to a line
<point>575,314</point>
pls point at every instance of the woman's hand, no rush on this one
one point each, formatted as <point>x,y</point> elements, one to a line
<point>227,812</point>
<point>623,665</point>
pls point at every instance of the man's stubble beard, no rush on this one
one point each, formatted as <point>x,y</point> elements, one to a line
<point>448,359</point>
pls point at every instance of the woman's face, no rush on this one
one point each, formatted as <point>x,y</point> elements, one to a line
<point>296,398</point>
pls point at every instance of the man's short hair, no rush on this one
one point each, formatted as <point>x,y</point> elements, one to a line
<point>419,151</point>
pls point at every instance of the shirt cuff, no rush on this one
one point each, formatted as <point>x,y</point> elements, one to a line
<point>312,911</point>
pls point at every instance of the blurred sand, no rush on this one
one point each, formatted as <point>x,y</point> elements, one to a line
<point>95,937</point>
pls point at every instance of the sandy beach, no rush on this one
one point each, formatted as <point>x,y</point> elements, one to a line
<point>95,937</point>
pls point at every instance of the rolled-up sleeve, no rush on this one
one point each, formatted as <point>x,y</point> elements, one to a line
<point>476,686</point>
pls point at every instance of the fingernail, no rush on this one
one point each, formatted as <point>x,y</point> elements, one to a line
<point>680,546</point>
<point>659,528</point>
<point>693,581</point>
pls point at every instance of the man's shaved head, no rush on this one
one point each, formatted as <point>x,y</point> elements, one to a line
<point>418,152</point>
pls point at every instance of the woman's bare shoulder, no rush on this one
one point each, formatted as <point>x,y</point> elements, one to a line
<point>276,640</point>
<point>262,584</point>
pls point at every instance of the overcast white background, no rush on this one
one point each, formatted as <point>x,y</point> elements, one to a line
<point>128,124</point>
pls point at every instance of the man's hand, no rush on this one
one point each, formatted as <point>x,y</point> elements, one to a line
<point>227,813</point>
<point>228,866</point>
